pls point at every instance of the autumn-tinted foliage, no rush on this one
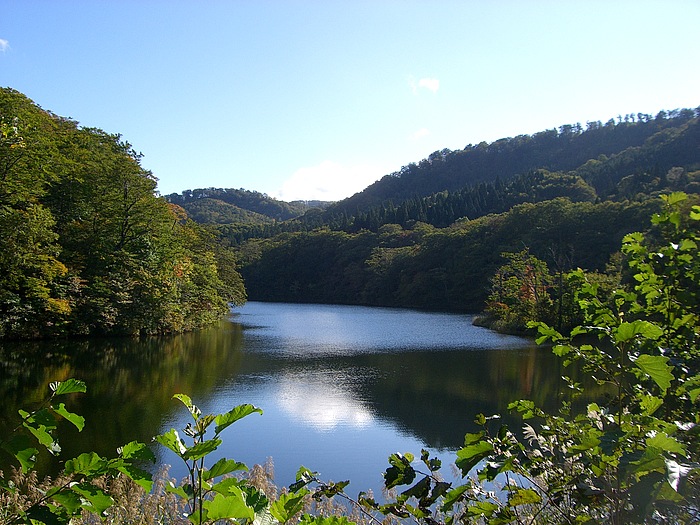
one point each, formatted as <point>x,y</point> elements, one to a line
<point>85,245</point>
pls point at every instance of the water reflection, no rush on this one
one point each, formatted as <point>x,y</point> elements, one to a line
<point>341,387</point>
<point>322,400</point>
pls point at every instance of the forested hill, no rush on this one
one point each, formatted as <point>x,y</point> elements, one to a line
<point>603,154</point>
<point>86,246</point>
<point>635,155</point>
<point>228,205</point>
<point>433,234</point>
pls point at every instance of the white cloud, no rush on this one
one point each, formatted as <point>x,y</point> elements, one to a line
<point>423,132</point>
<point>4,45</point>
<point>433,84</point>
<point>329,181</point>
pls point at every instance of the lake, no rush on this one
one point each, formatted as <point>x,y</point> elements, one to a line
<point>341,387</point>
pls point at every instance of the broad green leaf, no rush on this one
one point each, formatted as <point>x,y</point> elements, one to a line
<point>651,461</point>
<point>233,506</point>
<point>97,500</point>
<point>223,466</point>
<point>179,490</point>
<point>287,505</point>
<point>482,508</point>
<point>650,404</point>
<point>666,443</point>
<point>69,386</point>
<point>264,517</point>
<point>401,472</point>
<point>561,350</point>
<point>200,450</point>
<point>86,464</point>
<point>75,419</point>
<point>70,500</point>
<point>138,476</point>
<point>471,438</point>
<point>628,331</point>
<point>194,411</point>
<point>419,490</point>
<point>307,519</point>
<point>41,424</point>
<point>171,439</point>
<point>657,368</point>
<point>674,198</point>
<point>233,415</point>
<point>523,497</point>
<point>255,498</point>
<point>468,457</point>
<point>453,496</point>
<point>22,448</point>
<point>136,450</point>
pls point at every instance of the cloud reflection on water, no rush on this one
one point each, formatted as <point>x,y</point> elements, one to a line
<point>322,401</point>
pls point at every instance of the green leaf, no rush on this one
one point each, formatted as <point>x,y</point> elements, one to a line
<point>468,457</point>
<point>223,466</point>
<point>233,415</point>
<point>657,368</point>
<point>98,500</point>
<point>75,419</point>
<point>523,497</point>
<point>138,476</point>
<point>287,505</point>
<point>482,508</point>
<point>69,386</point>
<point>650,404</point>
<point>86,464</point>
<point>674,198</point>
<point>171,439</point>
<point>628,331</point>
<point>178,490</point>
<point>453,496</point>
<point>137,451</point>
<point>69,500</point>
<point>41,424</point>
<point>401,472</point>
<point>233,506</point>
<point>185,400</point>
<point>666,443</point>
<point>200,450</point>
<point>22,448</point>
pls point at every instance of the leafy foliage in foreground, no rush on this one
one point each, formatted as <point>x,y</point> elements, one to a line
<point>629,458</point>
<point>75,490</point>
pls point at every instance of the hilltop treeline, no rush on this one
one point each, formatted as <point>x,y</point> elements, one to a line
<point>85,245</point>
<point>434,268</point>
<point>394,245</point>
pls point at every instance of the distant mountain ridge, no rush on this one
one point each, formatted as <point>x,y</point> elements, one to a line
<point>229,205</point>
<point>610,161</point>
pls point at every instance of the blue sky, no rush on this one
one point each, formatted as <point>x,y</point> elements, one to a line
<point>316,99</point>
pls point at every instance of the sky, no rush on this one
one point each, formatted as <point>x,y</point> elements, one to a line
<point>317,99</point>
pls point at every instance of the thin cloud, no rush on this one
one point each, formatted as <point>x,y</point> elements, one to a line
<point>329,181</point>
<point>4,45</point>
<point>432,84</point>
<point>423,132</point>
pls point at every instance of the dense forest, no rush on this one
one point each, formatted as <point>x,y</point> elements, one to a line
<point>89,246</point>
<point>86,246</point>
<point>398,244</point>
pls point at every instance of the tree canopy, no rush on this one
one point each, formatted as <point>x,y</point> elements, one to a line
<point>86,246</point>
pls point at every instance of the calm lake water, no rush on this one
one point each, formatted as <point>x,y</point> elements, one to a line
<point>341,387</point>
